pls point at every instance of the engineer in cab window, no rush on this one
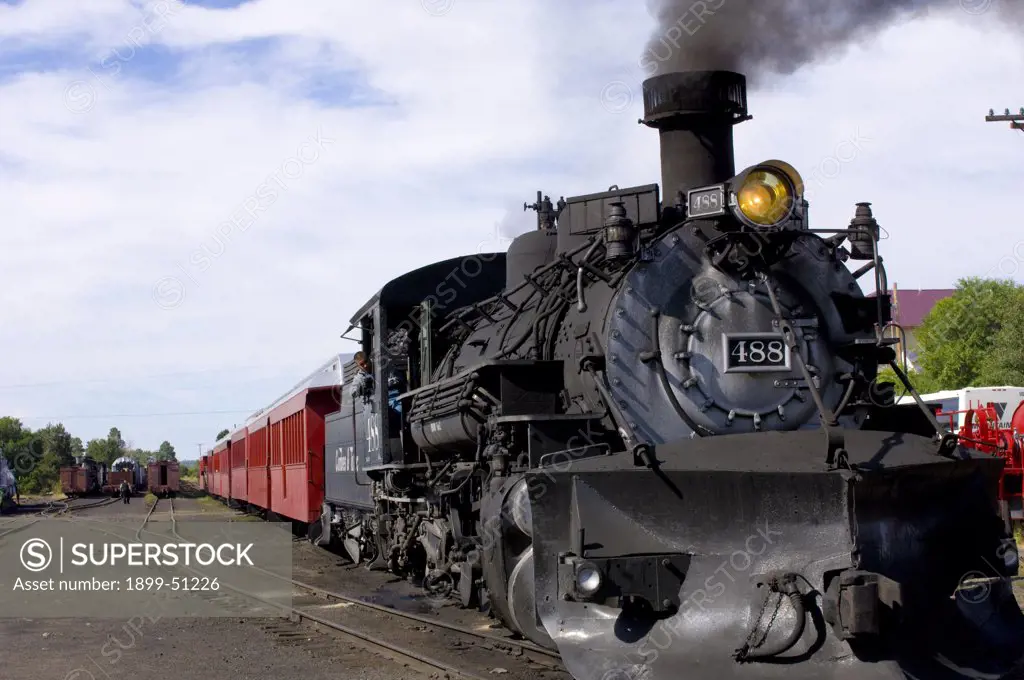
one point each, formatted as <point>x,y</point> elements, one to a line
<point>362,383</point>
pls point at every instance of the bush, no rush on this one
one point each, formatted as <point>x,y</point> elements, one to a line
<point>151,499</point>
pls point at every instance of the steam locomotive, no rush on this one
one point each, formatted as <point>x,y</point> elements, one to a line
<point>651,436</point>
<point>124,469</point>
<point>8,486</point>
<point>84,478</point>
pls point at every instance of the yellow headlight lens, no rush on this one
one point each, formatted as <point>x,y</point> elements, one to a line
<point>765,198</point>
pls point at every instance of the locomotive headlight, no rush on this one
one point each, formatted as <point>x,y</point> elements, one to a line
<point>767,194</point>
<point>764,198</point>
<point>588,579</point>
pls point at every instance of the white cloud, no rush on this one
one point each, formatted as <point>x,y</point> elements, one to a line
<point>460,118</point>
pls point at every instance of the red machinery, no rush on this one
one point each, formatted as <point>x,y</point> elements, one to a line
<point>981,431</point>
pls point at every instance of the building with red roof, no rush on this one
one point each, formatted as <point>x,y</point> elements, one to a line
<point>909,308</point>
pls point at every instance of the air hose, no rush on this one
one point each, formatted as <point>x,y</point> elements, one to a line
<point>786,586</point>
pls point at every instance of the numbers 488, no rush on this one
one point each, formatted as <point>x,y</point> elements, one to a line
<point>746,353</point>
<point>759,352</point>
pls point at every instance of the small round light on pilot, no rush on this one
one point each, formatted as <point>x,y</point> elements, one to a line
<point>765,197</point>
<point>588,579</point>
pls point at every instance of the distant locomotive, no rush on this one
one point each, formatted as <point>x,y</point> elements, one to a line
<point>128,470</point>
<point>8,486</point>
<point>85,478</point>
<point>650,436</point>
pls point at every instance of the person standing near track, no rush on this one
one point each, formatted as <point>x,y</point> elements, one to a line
<point>125,492</point>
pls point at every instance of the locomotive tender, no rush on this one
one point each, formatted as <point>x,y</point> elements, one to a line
<point>650,436</point>
<point>84,478</point>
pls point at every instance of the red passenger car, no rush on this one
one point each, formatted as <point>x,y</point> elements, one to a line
<point>277,460</point>
<point>258,466</point>
<point>297,453</point>
<point>221,469</point>
<point>237,481</point>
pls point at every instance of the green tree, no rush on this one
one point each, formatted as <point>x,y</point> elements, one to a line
<point>1004,364</point>
<point>11,430</point>
<point>922,382</point>
<point>115,444</point>
<point>958,337</point>
<point>16,444</point>
<point>222,434</point>
<point>166,452</point>
<point>36,457</point>
<point>188,469</point>
<point>97,450</point>
<point>52,449</point>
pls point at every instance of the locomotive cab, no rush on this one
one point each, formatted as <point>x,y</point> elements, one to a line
<point>395,329</point>
<point>371,454</point>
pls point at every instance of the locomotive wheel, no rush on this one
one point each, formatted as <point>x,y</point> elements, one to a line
<point>522,601</point>
<point>370,551</point>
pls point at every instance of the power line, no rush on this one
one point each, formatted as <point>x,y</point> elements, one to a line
<point>59,383</point>
<point>1016,120</point>
<point>133,415</point>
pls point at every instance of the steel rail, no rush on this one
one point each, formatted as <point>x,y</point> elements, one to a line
<point>530,650</point>
<point>397,653</point>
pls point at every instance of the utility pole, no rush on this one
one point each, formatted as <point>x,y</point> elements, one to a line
<point>1016,120</point>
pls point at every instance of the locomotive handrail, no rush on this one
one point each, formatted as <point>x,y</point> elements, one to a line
<point>946,441</point>
<point>597,375</point>
<point>581,303</point>
<point>456,314</point>
<point>835,440</point>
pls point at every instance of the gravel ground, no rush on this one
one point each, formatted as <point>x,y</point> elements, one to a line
<point>319,567</point>
<point>190,649</point>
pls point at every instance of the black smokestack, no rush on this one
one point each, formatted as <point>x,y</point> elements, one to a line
<point>694,113</point>
<point>756,37</point>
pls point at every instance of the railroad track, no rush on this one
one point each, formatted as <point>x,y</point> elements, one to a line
<point>372,627</point>
<point>138,532</point>
<point>378,623</point>
<point>15,526</point>
<point>58,508</point>
<point>52,509</point>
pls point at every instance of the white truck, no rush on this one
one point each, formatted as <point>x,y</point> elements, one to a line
<point>1004,399</point>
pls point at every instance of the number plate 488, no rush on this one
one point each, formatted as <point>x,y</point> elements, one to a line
<point>755,353</point>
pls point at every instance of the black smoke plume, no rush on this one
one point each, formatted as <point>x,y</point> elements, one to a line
<point>756,37</point>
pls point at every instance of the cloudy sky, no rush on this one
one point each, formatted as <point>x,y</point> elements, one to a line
<point>196,196</point>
